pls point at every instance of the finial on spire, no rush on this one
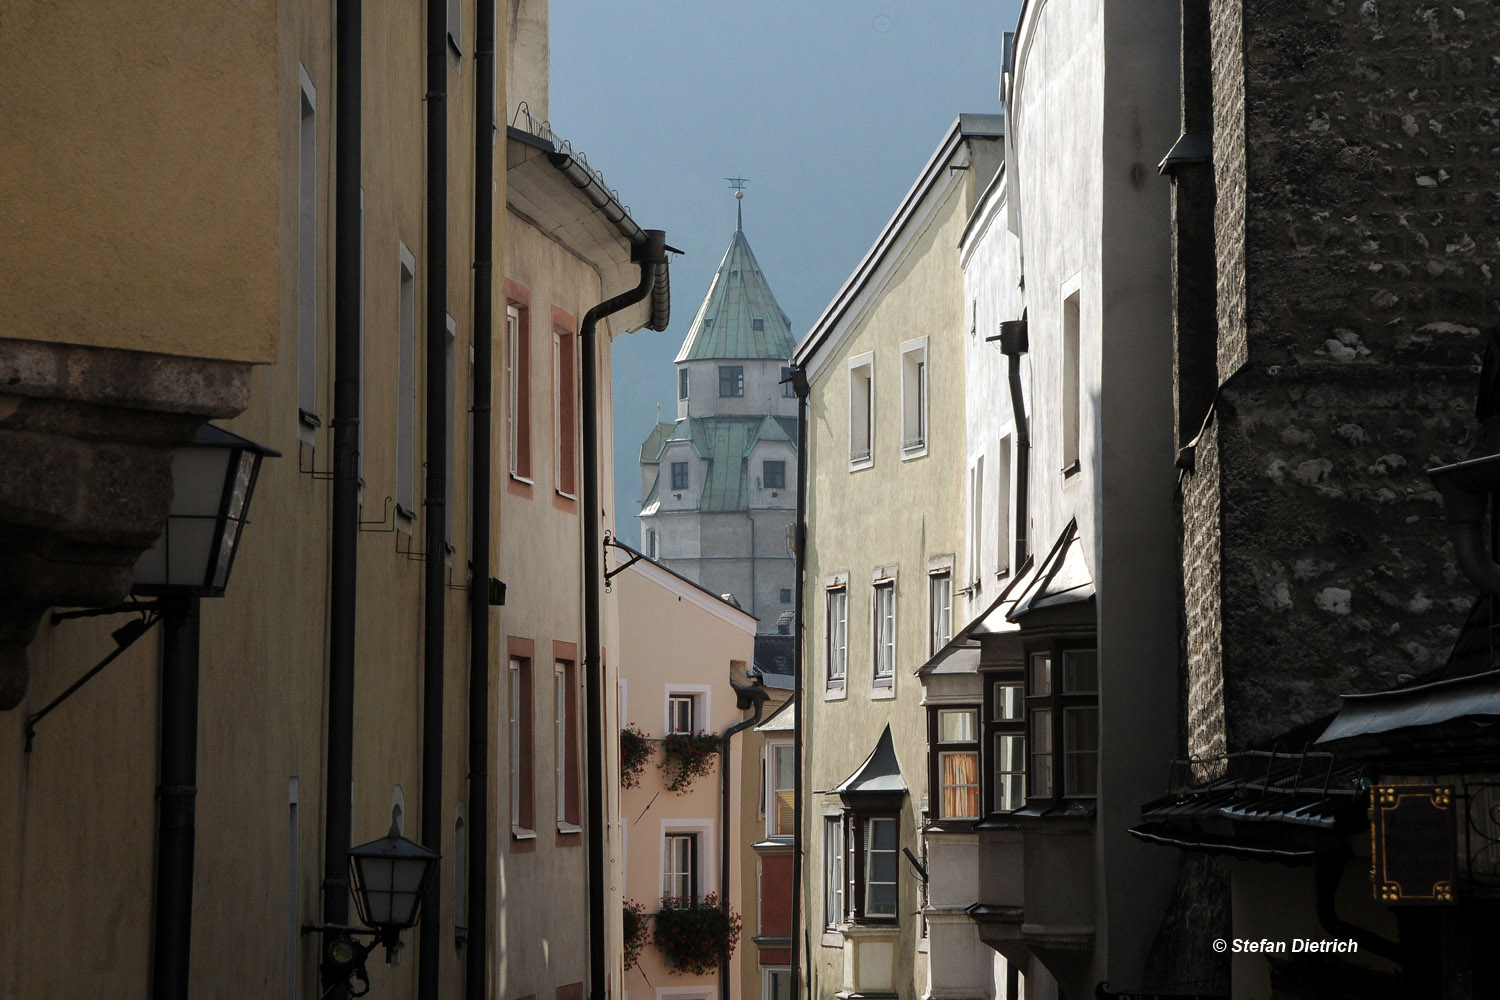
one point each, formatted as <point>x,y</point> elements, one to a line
<point>737,184</point>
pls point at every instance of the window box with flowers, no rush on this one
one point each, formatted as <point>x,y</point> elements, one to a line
<point>686,757</point>
<point>695,935</point>
<point>635,751</point>
<point>637,932</point>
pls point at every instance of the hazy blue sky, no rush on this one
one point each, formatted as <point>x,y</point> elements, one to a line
<point>828,107</point>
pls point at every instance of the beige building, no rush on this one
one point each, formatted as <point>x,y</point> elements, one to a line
<point>883,564</point>
<point>684,660</point>
<point>178,255</point>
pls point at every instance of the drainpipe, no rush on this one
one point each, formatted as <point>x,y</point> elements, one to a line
<point>1013,344</point>
<point>476,960</point>
<point>801,387</point>
<point>746,697</point>
<point>176,791</point>
<point>435,509</point>
<point>337,808</point>
<point>651,255</point>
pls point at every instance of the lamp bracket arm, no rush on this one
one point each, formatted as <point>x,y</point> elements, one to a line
<point>125,637</point>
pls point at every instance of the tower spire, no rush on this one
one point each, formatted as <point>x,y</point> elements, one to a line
<point>737,184</point>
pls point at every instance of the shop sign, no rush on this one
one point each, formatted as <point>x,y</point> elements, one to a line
<point>1414,843</point>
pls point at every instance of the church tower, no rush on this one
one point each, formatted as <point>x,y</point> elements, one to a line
<point>720,481</point>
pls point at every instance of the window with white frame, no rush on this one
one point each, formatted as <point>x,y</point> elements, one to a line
<point>833,871</point>
<point>871,866</point>
<point>681,709</point>
<point>682,383</point>
<point>884,634</point>
<point>455,26</point>
<point>940,609</point>
<point>1003,505</point>
<point>680,869</point>
<point>1071,394</point>
<point>307,260</point>
<point>976,526</point>
<point>450,374</point>
<point>776,984</point>
<point>522,799</point>
<point>406,391</point>
<point>788,391</point>
<point>861,410</point>
<point>651,545</point>
<point>836,649</point>
<point>565,412</point>
<point>518,389</point>
<point>914,397</point>
<point>1008,744</point>
<point>565,745</point>
<point>781,777</point>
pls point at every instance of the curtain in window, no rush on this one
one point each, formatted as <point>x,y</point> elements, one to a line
<point>960,785</point>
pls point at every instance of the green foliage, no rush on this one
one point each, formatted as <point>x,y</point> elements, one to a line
<point>695,935</point>
<point>687,756</point>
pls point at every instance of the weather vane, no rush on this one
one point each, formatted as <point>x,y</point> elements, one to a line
<point>737,185</point>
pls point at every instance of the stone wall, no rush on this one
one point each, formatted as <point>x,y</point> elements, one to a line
<point>1356,155</point>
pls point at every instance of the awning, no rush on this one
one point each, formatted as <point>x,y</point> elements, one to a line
<point>1061,579</point>
<point>1377,719</point>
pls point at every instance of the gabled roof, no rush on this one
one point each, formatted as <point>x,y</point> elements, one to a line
<point>878,777</point>
<point>1061,579</point>
<point>737,297</point>
<point>661,574</point>
<point>726,442</point>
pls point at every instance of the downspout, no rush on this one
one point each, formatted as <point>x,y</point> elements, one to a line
<point>435,508</point>
<point>651,255</point>
<point>1013,344</point>
<point>176,791</point>
<point>476,960</point>
<point>802,388</point>
<point>337,808</point>
<point>756,698</point>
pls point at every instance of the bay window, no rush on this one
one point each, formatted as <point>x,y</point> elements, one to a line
<point>1062,712</point>
<point>954,736</point>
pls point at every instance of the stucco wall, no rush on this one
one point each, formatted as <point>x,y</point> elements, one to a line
<point>142,203</point>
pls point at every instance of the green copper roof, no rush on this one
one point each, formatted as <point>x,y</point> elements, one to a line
<point>726,442</point>
<point>737,301</point>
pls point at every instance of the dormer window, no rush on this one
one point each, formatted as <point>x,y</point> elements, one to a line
<point>757,324</point>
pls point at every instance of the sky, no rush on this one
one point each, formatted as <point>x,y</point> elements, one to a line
<point>828,109</point>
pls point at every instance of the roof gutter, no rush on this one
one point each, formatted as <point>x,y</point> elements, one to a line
<point>651,255</point>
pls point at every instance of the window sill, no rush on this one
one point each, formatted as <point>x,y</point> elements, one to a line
<point>308,419</point>
<point>835,693</point>
<point>1071,470</point>
<point>563,826</point>
<point>832,938</point>
<point>915,451</point>
<point>521,833</point>
<point>566,495</point>
<point>516,477</point>
<point>882,693</point>
<point>858,464</point>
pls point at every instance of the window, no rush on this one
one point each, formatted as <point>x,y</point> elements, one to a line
<point>307,261</point>
<point>682,383</point>
<point>955,741</point>
<point>872,864</point>
<point>773,475</point>
<point>1003,504</point>
<point>836,653</point>
<point>651,543</point>
<point>940,605</point>
<point>450,348</point>
<point>406,391</point>
<point>976,525</point>
<point>1008,745</point>
<point>861,410</point>
<point>680,714</point>
<point>914,397</point>
<point>518,389</point>
<point>1062,689</point>
<point>1071,396</point>
<point>455,26</point>
<point>564,397</point>
<point>885,634</point>
<point>460,877</point>
<point>833,871</point>
<point>522,818</point>
<point>731,380</point>
<point>565,734</point>
<point>757,324</point>
<point>680,869</point>
<point>786,383</point>
<point>786,595</point>
<point>679,475</point>
<point>776,984</point>
<point>780,783</point>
